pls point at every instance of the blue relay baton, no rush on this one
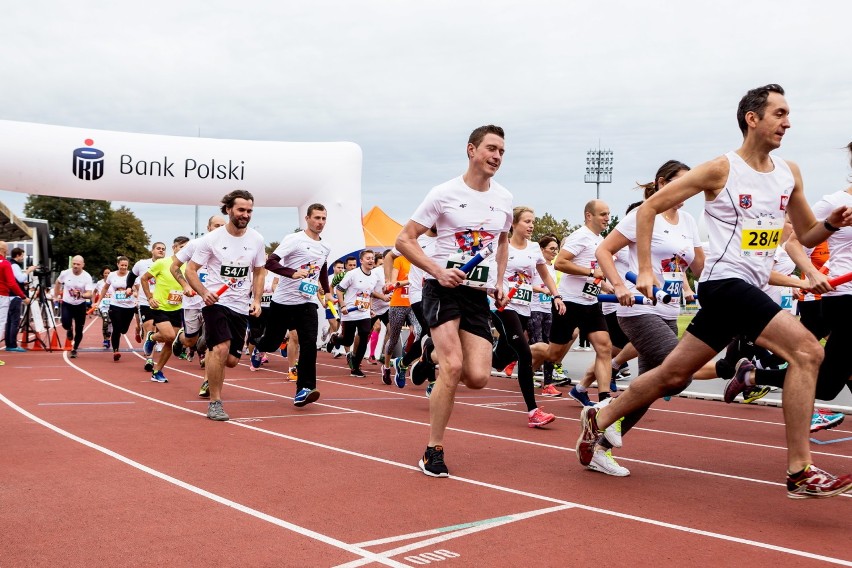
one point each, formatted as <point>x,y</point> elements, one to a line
<point>481,255</point>
<point>612,298</point>
<point>661,296</point>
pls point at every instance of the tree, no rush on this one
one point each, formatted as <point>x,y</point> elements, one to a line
<point>270,248</point>
<point>548,225</point>
<point>613,221</point>
<point>90,228</point>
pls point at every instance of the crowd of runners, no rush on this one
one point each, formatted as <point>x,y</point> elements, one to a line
<point>478,296</point>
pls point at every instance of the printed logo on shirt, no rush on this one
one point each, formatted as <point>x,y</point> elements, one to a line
<point>784,199</point>
<point>88,162</point>
<point>745,200</point>
<point>472,240</point>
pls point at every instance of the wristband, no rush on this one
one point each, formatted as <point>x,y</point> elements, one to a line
<point>829,227</point>
<point>591,273</point>
<point>556,297</point>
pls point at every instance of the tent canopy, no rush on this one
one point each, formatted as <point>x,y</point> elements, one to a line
<point>380,230</point>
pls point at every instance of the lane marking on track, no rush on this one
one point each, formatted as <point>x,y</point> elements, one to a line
<point>824,442</point>
<point>366,554</point>
<point>81,403</point>
<point>620,515</point>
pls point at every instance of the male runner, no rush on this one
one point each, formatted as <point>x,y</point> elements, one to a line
<point>234,257</point>
<point>470,212</point>
<point>300,261</point>
<point>74,286</point>
<point>158,251</point>
<point>747,193</point>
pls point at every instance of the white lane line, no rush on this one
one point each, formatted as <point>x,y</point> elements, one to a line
<point>81,403</point>
<point>510,490</point>
<point>366,554</point>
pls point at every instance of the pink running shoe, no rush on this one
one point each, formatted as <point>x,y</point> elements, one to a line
<point>538,418</point>
<point>550,390</point>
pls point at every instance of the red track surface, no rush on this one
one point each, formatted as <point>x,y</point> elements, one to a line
<point>150,481</point>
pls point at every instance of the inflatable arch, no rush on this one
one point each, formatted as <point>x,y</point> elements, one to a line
<point>100,164</point>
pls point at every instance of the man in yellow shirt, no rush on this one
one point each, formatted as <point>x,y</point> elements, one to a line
<point>166,301</point>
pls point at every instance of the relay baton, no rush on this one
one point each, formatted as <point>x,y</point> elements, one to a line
<point>481,255</point>
<point>509,296</point>
<point>612,298</point>
<point>332,309</point>
<point>661,296</point>
<point>835,282</point>
<point>222,290</point>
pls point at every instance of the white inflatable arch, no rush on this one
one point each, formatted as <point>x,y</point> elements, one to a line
<point>100,164</point>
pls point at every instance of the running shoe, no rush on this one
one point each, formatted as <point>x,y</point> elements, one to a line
<point>306,396</point>
<point>357,372</point>
<point>138,336</point>
<point>429,388</point>
<point>581,397</point>
<point>737,384</point>
<point>386,375</point>
<point>427,347</point>
<point>566,382</point>
<point>432,462</point>
<point>349,362</point>
<point>558,373</point>
<point>216,412</point>
<point>755,393</point>
<point>116,355</point>
<point>538,383</point>
<point>589,435</point>
<point>623,371</point>
<point>201,359</point>
<point>538,373</point>
<point>338,352</point>
<point>612,386</point>
<point>256,359</point>
<point>550,390</point>
<point>510,369</point>
<point>16,350</point>
<point>204,391</point>
<point>824,419</point>
<point>539,418</point>
<point>159,377</point>
<point>329,347</point>
<point>613,431</point>
<point>148,347</point>
<point>177,345</point>
<point>149,365</point>
<point>372,360</point>
<point>399,372</point>
<point>73,353</point>
<point>293,374</point>
<point>421,372</point>
<point>2,363</point>
<point>814,483</point>
<point>603,462</point>
<point>264,359</point>
<point>106,343</point>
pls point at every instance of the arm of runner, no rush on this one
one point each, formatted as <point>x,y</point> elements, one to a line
<point>550,285</point>
<point>709,178</point>
<point>564,262</point>
<point>406,243</point>
<point>146,289</point>
<point>816,280</point>
<point>273,264</point>
<point>388,267</point>
<point>195,283</point>
<point>502,258</point>
<point>614,242</point>
<point>258,280</point>
<point>808,229</point>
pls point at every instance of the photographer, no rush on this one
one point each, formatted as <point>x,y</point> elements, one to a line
<point>13,322</point>
<point>9,286</point>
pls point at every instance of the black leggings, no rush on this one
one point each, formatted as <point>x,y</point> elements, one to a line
<point>416,350</point>
<point>120,318</point>
<point>73,315</point>
<point>303,319</point>
<point>512,345</point>
<point>362,327</point>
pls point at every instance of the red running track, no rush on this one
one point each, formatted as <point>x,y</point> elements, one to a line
<point>102,467</point>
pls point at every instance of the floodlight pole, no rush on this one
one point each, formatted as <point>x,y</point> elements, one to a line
<point>599,168</point>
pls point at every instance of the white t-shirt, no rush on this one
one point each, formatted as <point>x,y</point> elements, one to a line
<point>299,251</point>
<point>194,302</point>
<point>380,306</point>
<point>358,291</point>
<point>745,220</point>
<point>140,268</point>
<point>622,265</point>
<point>542,301</point>
<point>576,288</point>
<point>521,268</point>
<point>672,251</point>
<point>783,295</point>
<point>266,297</point>
<point>417,274</point>
<point>231,260</point>
<point>117,291</point>
<point>839,242</point>
<point>74,285</point>
<point>467,220</point>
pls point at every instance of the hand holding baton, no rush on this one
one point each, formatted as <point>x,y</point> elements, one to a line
<point>659,294</point>
<point>481,255</point>
<point>840,280</point>
<point>222,290</point>
<point>511,294</point>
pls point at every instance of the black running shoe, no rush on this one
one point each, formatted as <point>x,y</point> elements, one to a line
<point>350,362</point>
<point>356,372</point>
<point>421,372</point>
<point>432,462</point>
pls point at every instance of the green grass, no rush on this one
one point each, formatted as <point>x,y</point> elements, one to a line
<point>682,322</point>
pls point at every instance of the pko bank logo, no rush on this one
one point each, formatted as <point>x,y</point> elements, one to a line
<point>88,162</point>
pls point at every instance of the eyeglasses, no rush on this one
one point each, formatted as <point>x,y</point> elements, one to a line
<point>551,249</point>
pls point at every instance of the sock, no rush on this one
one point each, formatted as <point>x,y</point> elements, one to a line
<point>374,339</point>
<point>615,365</point>
<point>603,396</point>
<point>580,388</point>
<point>798,474</point>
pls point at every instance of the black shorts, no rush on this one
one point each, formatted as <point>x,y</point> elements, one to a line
<point>224,324</point>
<point>588,317</point>
<point>146,313</point>
<point>616,334</point>
<point>174,317</point>
<point>468,305</point>
<point>384,318</point>
<point>731,307</point>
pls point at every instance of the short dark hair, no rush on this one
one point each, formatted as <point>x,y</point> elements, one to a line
<point>544,241</point>
<point>365,252</point>
<point>16,251</point>
<point>180,240</point>
<point>479,133</point>
<point>315,207</point>
<point>348,258</point>
<point>336,262</point>
<point>228,200</point>
<point>755,101</point>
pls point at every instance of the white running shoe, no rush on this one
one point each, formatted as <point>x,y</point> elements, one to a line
<point>613,431</point>
<point>603,462</point>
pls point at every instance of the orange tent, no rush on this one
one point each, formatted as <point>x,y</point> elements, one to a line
<point>380,230</point>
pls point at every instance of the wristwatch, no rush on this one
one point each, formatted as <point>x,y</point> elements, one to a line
<point>591,273</point>
<point>829,227</point>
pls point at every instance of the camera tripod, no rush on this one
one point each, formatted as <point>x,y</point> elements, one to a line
<point>43,316</point>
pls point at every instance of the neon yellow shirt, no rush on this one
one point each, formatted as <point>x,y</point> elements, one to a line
<point>167,291</point>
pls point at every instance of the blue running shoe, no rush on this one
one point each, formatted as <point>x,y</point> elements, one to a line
<point>823,419</point>
<point>581,397</point>
<point>256,359</point>
<point>399,376</point>
<point>159,377</point>
<point>429,388</point>
<point>306,396</point>
<point>148,347</point>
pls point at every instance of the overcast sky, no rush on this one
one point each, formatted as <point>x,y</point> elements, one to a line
<point>408,81</point>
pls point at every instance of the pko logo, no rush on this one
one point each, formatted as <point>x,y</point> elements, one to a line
<point>88,162</point>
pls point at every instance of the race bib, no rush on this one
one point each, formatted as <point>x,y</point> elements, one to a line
<point>308,288</point>
<point>105,303</point>
<point>265,300</point>
<point>362,302</point>
<point>544,298</point>
<point>673,284</point>
<point>523,296</point>
<point>120,295</point>
<point>760,237</point>
<point>591,289</point>
<point>234,272</point>
<point>476,278</point>
<point>403,292</point>
<point>175,297</point>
